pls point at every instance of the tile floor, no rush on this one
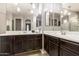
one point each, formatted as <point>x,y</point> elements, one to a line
<point>32,53</point>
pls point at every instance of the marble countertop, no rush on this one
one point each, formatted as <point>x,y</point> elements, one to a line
<point>10,33</point>
<point>72,36</point>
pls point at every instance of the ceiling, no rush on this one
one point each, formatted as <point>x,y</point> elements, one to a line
<point>72,6</point>
<point>25,8</point>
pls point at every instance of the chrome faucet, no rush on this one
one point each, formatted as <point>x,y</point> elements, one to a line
<point>63,33</point>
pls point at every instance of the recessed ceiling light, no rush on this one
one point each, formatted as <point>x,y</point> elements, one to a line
<point>31,11</point>
<point>51,10</point>
<point>61,12</point>
<point>18,9</point>
<point>69,13</point>
<point>65,21</point>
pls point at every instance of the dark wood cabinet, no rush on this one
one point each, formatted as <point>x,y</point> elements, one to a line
<point>11,45</point>
<point>69,48</point>
<point>66,52</point>
<point>46,43</point>
<point>18,44</point>
<point>37,41</point>
<point>24,43</point>
<point>53,49</point>
<point>51,45</point>
<point>32,42</point>
<point>6,45</point>
<point>27,43</point>
<point>60,47</point>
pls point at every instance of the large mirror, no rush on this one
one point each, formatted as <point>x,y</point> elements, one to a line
<point>61,17</point>
<point>28,17</point>
<point>70,17</point>
<point>22,17</point>
<point>52,17</point>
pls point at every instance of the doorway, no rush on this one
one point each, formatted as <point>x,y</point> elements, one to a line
<point>27,27</point>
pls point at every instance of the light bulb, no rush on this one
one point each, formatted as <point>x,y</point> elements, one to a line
<point>61,12</point>
<point>65,21</point>
<point>32,11</point>
<point>51,10</point>
<point>18,9</point>
<point>69,13</point>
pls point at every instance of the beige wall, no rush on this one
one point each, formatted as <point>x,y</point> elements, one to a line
<point>9,20</point>
<point>2,18</point>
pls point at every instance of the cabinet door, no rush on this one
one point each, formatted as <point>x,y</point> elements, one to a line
<point>5,45</point>
<point>37,43</point>
<point>18,44</point>
<point>69,46</point>
<point>65,52</point>
<point>32,42</point>
<point>46,43</point>
<point>53,49</point>
<point>51,45</point>
<point>27,43</point>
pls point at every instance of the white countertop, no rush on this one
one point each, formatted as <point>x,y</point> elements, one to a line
<point>72,36</point>
<point>9,33</point>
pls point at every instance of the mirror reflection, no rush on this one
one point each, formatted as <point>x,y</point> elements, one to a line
<point>28,17</point>
<point>23,17</point>
<point>70,20</point>
<point>53,15</point>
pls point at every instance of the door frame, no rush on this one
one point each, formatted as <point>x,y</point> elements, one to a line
<point>15,22</point>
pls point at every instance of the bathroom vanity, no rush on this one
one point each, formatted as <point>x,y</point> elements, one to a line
<point>63,45</point>
<point>13,44</point>
<point>55,44</point>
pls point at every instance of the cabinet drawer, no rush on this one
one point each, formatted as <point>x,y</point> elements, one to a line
<point>51,43</point>
<point>53,49</point>
<point>73,46</point>
<point>66,52</point>
<point>54,40</point>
